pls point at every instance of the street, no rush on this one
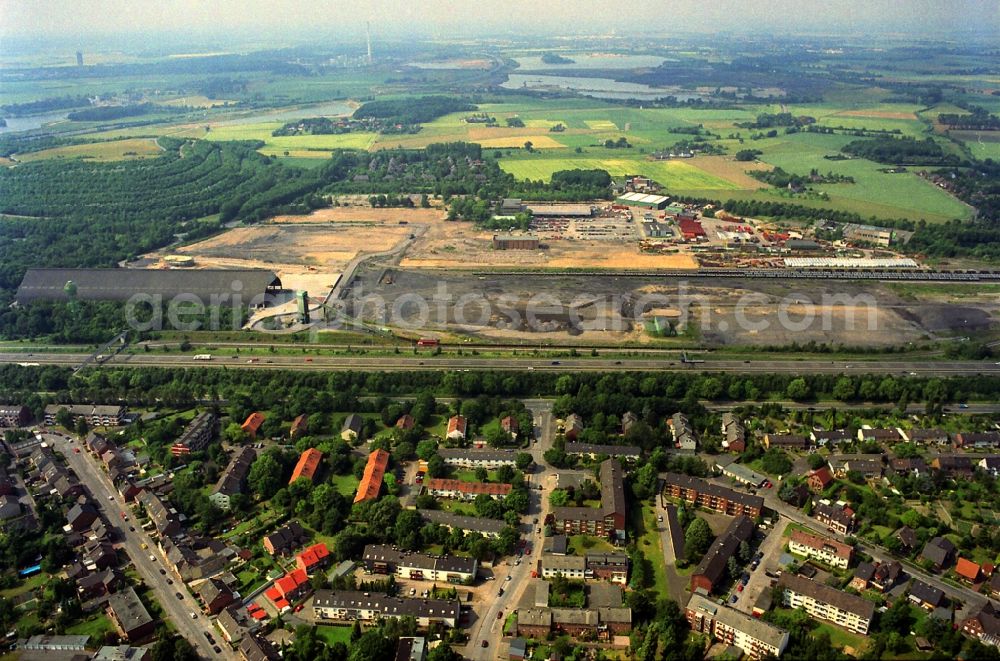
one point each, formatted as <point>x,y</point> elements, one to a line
<point>488,627</point>
<point>177,610</point>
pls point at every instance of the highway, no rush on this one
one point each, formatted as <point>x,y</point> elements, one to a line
<point>177,610</point>
<point>519,363</point>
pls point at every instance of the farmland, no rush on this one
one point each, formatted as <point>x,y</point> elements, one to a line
<point>114,150</point>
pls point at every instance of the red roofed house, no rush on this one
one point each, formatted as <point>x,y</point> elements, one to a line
<point>967,569</point>
<point>819,479</point>
<point>252,424</point>
<point>313,558</point>
<point>456,428</point>
<point>405,422</point>
<point>307,465</point>
<point>510,425</point>
<point>292,585</point>
<point>300,425</point>
<point>371,481</point>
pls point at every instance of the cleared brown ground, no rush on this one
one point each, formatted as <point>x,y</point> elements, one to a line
<point>305,256</point>
<point>365,214</point>
<point>732,170</point>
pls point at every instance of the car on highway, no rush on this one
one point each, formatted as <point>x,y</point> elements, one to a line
<point>554,362</point>
<point>217,649</point>
<point>208,637</point>
<point>500,614</point>
<point>486,643</point>
<point>413,591</point>
<point>131,528</point>
<point>178,595</point>
<point>76,450</point>
<point>194,616</point>
<point>488,578</point>
<point>143,546</point>
<point>500,594</point>
<point>163,572</point>
<point>508,577</point>
<point>170,581</point>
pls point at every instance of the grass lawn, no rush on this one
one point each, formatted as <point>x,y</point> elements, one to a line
<point>333,634</point>
<point>842,637</point>
<point>583,544</point>
<point>470,476</point>
<point>32,583</point>
<point>346,485</point>
<point>647,540</point>
<point>95,627</point>
<point>510,624</point>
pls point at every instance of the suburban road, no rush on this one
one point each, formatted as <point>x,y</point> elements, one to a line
<point>489,627</point>
<point>177,610</point>
<point>518,363</point>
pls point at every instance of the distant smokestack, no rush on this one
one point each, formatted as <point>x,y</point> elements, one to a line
<point>79,59</point>
<point>368,34</point>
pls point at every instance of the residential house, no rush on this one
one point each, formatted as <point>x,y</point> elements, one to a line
<point>839,519</point>
<point>352,427</point>
<point>510,425</point>
<point>406,422</point>
<point>927,436</point>
<point>606,521</point>
<point>628,421</point>
<point>10,508</point>
<point>411,648</point>
<point>611,567</point>
<point>984,626</point>
<point>925,596</point>
<point>299,428</point>
<point>371,479</point>
<point>954,465</point>
<point>13,415</point>
<point>233,478</point>
<point>572,427</point>
<point>478,458</point>
<point>863,575</point>
<point>711,496</point>
<point>568,566</point>
<point>826,603</point>
<point>879,435</point>
<point>486,527</point>
<point>990,465</point>
<point>307,465</point>
<point>252,424</point>
<point>215,595</point>
<point>256,648</point>
<point>868,465</point>
<point>940,552</point>
<point>81,516</point>
<point>819,479</point>
<point>197,435</point>
<point>284,539</point>
<point>98,584</point>
<point>165,518</point>
<point>683,434</point>
<point>795,442</point>
<point>558,544</point>
<point>907,538</point>
<point>385,559</point>
<point>314,558</point>
<point>833,437</point>
<point>457,426</point>
<point>460,490</point>
<point>968,570</point>
<point>978,440</point>
<point>909,466</point>
<point>824,549</point>
<point>129,616</point>
<point>368,607</point>
<point>235,622</point>
<point>99,415</point>
<point>713,566</point>
<point>734,434</point>
<point>755,637</point>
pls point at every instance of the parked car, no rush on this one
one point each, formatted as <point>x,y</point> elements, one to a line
<point>486,643</point>
<point>734,598</point>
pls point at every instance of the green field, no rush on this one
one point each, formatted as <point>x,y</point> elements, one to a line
<point>674,175</point>
<point>346,485</point>
<point>298,143</point>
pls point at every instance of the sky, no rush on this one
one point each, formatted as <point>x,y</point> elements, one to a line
<point>288,19</point>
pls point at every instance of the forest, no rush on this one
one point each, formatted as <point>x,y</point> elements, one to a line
<point>413,111</point>
<point>979,119</point>
<point>901,151</point>
<point>129,208</point>
<point>104,113</point>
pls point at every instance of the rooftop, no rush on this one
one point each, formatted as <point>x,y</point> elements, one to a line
<point>825,594</point>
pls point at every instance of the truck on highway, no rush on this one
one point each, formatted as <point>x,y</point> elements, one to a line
<point>203,356</point>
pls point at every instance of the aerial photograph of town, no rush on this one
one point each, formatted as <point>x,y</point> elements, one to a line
<point>364,330</point>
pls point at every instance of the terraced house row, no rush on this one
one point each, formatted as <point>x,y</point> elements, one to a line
<point>711,496</point>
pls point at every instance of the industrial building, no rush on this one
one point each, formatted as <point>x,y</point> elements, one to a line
<point>561,210</point>
<point>515,242</point>
<point>643,200</point>
<point>252,286</point>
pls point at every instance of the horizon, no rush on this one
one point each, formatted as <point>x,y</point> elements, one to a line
<point>113,24</point>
